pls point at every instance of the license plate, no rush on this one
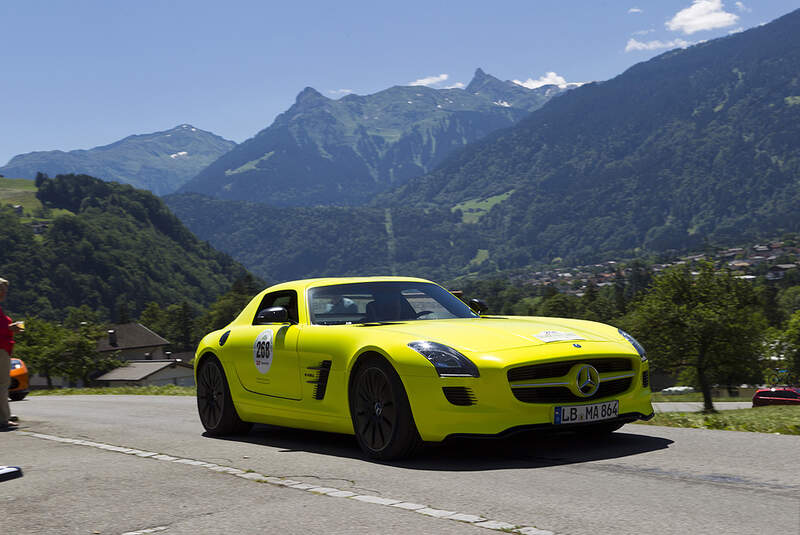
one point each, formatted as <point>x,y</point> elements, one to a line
<point>595,412</point>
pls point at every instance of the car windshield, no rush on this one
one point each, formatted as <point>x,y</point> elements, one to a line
<point>380,302</point>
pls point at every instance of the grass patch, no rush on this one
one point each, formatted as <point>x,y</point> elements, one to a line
<point>474,209</point>
<point>776,419</point>
<point>165,390</point>
<point>22,191</point>
<point>249,166</point>
<point>481,257</point>
<point>19,191</point>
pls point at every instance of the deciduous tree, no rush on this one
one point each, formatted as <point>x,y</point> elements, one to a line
<point>709,323</point>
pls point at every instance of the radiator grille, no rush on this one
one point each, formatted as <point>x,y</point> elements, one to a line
<point>559,369</point>
<point>562,394</point>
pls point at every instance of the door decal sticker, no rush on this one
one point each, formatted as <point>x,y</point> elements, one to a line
<point>262,351</point>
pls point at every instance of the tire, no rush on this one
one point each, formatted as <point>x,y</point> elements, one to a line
<point>382,419</point>
<point>214,403</point>
<point>17,396</point>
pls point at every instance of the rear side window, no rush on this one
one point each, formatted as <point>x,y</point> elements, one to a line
<point>284,298</point>
<point>782,394</point>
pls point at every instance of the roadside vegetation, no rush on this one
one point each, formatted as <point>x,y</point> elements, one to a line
<point>121,256</point>
<point>165,390</point>
<point>658,397</point>
<point>776,419</point>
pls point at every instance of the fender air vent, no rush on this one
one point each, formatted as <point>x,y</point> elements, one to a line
<point>459,395</point>
<point>321,379</point>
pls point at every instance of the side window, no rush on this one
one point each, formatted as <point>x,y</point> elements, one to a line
<point>284,298</point>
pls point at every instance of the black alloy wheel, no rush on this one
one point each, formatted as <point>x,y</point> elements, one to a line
<point>214,403</point>
<point>382,419</point>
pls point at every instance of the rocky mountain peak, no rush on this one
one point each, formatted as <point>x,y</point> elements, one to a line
<point>309,95</point>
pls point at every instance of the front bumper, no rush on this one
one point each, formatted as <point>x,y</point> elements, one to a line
<point>18,383</point>
<point>496,412</point>
<point>622,419</point>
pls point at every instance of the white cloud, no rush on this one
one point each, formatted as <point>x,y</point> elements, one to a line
<point>633,44</point>
<point>644,32</point>
<point>430,80</point>
<point>743,8</point>
<point>701,15</point>
<point>340,91</point>
<point>634,10</point>
<point>550,78</point>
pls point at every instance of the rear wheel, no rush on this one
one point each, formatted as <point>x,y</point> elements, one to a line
<point>382,419</point>
<point>17,396</point>
<point>214,403</point>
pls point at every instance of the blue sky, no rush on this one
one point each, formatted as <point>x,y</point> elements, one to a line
<point>77,74</point>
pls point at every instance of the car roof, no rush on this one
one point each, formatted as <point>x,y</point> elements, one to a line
<point>304,284</point>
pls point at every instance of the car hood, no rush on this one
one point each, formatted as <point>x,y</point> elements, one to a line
<point>479,335</point>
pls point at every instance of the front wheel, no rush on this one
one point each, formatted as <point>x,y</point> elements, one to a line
<point>17,396</point>
<point>214,403</point>
<point>382,419</point>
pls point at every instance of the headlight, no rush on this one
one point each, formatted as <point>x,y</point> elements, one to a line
<point>15,364</point>
<point>447,361</point>
<point>636,345</point>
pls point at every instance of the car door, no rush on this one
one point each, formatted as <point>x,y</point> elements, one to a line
<point>265,356</point>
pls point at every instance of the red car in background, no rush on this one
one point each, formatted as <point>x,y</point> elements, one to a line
<point>778,395</point>
<point>19,380</point>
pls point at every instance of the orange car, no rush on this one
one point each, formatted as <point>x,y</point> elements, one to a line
<point>19,380</point>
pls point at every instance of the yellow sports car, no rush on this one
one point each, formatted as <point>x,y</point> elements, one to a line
<point>397,361</point>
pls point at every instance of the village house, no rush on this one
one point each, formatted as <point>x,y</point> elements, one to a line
<point>146,360</point>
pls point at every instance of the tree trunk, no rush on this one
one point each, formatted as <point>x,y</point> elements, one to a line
<point>708,403</point>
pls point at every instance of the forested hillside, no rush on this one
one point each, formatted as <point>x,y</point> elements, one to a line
<point>695,145</point>
<point>285,243</point>
<point>116,250</point>
<point>159,162</point>
<point>342,152</point>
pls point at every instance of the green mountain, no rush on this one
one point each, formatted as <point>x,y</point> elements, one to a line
<point>285,243</point>
<point>696,145</point>
<point>105,245</point>
<point>700,144</point>
<point>343,152</point>
<point>159,162</point>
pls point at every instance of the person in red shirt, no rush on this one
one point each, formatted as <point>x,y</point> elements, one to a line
<point>7,331</point>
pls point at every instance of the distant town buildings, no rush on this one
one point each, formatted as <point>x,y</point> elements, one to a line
<point>772,261</point>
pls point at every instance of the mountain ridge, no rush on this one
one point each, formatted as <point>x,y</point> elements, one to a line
<point>149,161</point>
<point>344,151</point>
<point>693,147</point>
<point>695,144</point>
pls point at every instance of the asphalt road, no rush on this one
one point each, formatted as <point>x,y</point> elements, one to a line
<point>642,479</point>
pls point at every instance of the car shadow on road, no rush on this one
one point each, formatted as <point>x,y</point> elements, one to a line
<point>523,450</point>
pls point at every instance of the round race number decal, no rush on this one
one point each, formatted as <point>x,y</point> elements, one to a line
<point>262,351</point>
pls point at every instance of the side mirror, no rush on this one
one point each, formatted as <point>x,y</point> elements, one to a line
<point>478,305</point>
<point>272,315</point>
